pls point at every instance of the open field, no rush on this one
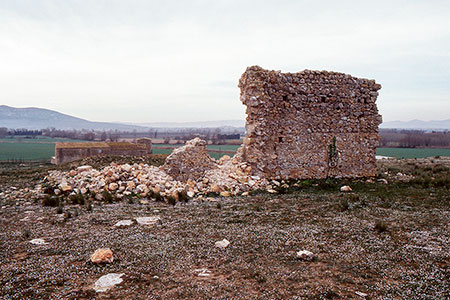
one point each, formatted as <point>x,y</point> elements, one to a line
<point>43,148</point>
<point>387,241</point>
<point>40,148</point>
<point>413,152</point>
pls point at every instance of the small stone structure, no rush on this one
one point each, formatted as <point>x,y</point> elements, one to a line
<point>310,124</point>
<point>66,152</point>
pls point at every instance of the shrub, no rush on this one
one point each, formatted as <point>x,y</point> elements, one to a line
<point>344,205</point>
<point>182,196</point>
<point>171,200</point>
<point>60,209</point>
<point>380,226</point>
<point>107,196</point>
<point>77,199</point>
<point>89,206</point>
<point>50,201</point>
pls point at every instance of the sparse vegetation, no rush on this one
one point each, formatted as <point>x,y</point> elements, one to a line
<point>399,228</point>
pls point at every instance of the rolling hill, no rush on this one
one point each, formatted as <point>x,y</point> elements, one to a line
<point>34,118</point>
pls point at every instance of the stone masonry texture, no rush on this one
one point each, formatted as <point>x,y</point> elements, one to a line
<point>310,124</point>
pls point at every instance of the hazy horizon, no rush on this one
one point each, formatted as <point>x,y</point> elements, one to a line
<point>148,61</point>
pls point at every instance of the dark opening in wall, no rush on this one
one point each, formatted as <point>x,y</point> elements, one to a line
<point>285,97</point>
<point>280,139</point>
<point>323,98</point>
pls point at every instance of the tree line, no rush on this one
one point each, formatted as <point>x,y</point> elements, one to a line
<point>414,138</point>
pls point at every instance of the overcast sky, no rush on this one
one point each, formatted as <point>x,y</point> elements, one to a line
<point>153,61</point>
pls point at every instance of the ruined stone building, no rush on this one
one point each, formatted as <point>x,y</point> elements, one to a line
<point>310,124</point>
<point>65,152</point>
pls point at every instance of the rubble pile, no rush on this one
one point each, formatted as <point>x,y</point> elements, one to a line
<point>225,177</point>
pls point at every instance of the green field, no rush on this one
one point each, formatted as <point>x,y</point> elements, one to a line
<point>412,153</point>
<point>42,148</point>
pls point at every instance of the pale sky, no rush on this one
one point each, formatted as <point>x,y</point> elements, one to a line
<point>176,61</point>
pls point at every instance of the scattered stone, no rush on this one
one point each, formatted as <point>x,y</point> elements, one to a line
<point>65,187</point>
<point>84,168</point>
<point>346,188</point>
<point>148,220</point>
<point>38,242</point>
<point>202,272</point>
<point>222,244</point>
<point>364,295</point>
<point>113,186</point>
<point>383,181</point>
<point>305,255</point>
<point>225,194</point>
<point>57,192</point>
<point>102,255</point>
<point>124,223</point>
<point>272,191</point>
<point>108,281</point>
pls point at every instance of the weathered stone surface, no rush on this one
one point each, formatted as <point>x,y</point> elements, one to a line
<point>310,124</point>
<point>108,281</point>
<point>305,255</point>
<point>345,188</point>
<point>124,223</point>
<point>148,220</point>
<point>222,244</point>
<point>38,242</point>
<point>190,161</point>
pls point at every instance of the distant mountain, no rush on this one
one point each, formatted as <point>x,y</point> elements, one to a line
<point>39,118</point>
<point>205,124</point>
<point>418,124</point>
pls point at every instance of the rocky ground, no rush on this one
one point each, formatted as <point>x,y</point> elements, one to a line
<point>388,238</point>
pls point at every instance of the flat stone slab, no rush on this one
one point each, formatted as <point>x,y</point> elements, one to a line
<point>124,223</point>
<point>38,242</point>
<point>108,281</point>
<point>148,220</point>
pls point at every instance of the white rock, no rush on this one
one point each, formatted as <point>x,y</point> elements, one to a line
<point>38,242</point>
<point>364,295</point>
<point>190,194</point>
<point>346,188</point>
<point>203,272</point>
<point>57,192</point>
<point>84,168</point>
<point>126,167</point>
<point>305,255</point>
<point>222,244</point>
<point>148,220</point>
<point>107,281</point>
<point>124,223</point>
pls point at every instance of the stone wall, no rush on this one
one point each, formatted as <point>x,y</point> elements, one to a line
<point>310,124</point>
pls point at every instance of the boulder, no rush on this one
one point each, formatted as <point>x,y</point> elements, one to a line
<point>102,255</point>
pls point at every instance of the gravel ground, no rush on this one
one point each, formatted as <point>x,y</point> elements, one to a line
<point>381,241</point>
